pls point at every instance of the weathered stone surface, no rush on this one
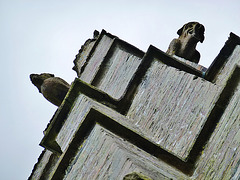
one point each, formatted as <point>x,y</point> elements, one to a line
<point>231,62</point>
<point>110,65</point>
<point>97,57</point>
<point>165,119</point>
<point>118,158</point>
<point>78,122</point>
<point>83,55</point>
<point>192,64</point>
<point>80,109</point>
<point>221,156</point>
<point>45,166</point>
<point>161,96</point>
<point>118,72</point>
<point>42,162</point>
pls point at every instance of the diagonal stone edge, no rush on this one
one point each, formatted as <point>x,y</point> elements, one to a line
<point>95,116</point>
<point>220,60</point>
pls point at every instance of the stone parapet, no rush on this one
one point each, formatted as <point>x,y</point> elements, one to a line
<point>130,111</point>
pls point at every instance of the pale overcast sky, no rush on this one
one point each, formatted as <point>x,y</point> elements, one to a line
<point>45,35</point>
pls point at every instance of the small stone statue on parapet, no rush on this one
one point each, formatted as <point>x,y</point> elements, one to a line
<point>185,46</point>
<point>54,89</point>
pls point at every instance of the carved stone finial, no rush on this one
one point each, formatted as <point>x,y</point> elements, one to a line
<point>54,89</point>
<point>185,46</point>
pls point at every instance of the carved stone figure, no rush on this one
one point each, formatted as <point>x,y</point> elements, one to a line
<point>54,89</point>
<point>185,46</point>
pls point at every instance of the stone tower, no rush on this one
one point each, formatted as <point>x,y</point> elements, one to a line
<point>160,116</point>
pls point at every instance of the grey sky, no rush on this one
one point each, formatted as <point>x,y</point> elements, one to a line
<point>44,36</point>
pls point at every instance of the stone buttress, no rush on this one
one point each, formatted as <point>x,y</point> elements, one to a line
<point>129,111</point>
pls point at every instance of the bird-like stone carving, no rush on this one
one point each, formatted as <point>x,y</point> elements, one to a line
<point>54,89</point>
<point>185,46</point>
